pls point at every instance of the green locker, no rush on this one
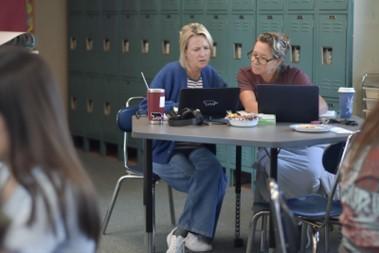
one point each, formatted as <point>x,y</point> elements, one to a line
<point>193,17</point>
<point>217,24</point>
<point>94,5</point>
<point>111,5</point>
<point>217,5</point>
<point>114,99</point>
<point>169,38</point>
<point>243,5</point>
<point>129,61</point>
<point>333,4</point>
<point>170,6</point>
<point>149,51</point>
<point>151,6</point>
<point>77,5</point>
<point>241,40</point>
<point>76,41</point>
<point>193,5</point>
<point>110,44</point>
<point>300,29</point>
<point>301,4</point>
<point>76,103</point>
<point>270,4</point>
<point>92,43</point>
<point>331,54</point>
<point>270,23</point>
<point>131,6</point>
<point>93,106</point>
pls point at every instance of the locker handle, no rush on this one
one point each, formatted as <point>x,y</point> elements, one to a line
<point>214,51</point>
<point>166,47</point>
<point>90,105</point>
<point>332,17</point>
<point>73,103</point>
<point>73,43</point>
<point>125,46</point>
<point>145,46</point>
<point>106,45</point>
<point>269,17</point>
<point>215,16</point>
<point>89,44</point>
<point>241,17</point>
<point>107,108</point>
<point>238,51</point>
<point>300,17</point>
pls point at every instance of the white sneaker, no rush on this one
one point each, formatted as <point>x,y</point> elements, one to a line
<point>195,244</point>
<point>175,244</point>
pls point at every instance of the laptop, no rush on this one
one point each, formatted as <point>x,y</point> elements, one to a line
<point>212,102</point>
<point>289,103</point>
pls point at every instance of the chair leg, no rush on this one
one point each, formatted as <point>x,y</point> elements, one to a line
<point>251,239</point>
<point>315,240</point>
<point>154,218</point>
<point>114,198</point>
<point>171,203</point>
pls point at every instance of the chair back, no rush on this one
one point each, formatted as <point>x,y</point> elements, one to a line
<point>124,122</point>
<point>286,230</point>
<point>125,115</point>
<point>332,156</point>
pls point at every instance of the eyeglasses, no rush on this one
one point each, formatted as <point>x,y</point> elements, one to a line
<point>260,60</point>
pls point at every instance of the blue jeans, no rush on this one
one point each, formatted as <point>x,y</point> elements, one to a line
<point>202,177</point>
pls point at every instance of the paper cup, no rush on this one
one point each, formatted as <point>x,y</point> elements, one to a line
<point>346,98</point>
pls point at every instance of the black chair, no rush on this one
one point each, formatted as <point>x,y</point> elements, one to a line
<point>132,171</point>
<point>315,210</point>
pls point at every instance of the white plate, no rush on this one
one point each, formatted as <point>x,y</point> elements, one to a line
<point>310,128</point>
<point>243,122</point>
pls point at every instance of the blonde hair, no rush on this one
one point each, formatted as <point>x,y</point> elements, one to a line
<point>186,33</point>
<point>278,42</point>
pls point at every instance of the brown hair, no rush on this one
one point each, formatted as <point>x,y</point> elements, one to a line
<point>278,42</point>
<point>186,33</point>
<point>32,109</point>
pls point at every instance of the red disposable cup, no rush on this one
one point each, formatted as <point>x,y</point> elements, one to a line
<point>155,105</point>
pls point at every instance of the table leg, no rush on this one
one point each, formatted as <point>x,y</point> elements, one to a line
<point>273,174</point>
<point>148,195</point>
<point>238,242</point>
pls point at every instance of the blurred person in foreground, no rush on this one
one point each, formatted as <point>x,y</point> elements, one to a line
<point>360,189</point>
<point>300,170</point>
<point>45,194</point>
<point>191,167</point>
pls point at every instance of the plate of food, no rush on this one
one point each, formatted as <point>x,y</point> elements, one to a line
<point>242,120</point>
<point>310,128</point>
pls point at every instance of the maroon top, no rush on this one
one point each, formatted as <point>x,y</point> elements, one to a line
<point>247,80</point>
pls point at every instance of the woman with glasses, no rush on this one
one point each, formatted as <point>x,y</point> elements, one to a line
<point>300,170</point>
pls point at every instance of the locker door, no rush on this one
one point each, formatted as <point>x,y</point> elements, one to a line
<point>193,6</point>
<point>151,6</point>
<point>270,4</point>
<point>243,5</point>
<point>76,5</point>
<point>193,17</point>
<point>270,23</point>
<point>300,29</point>
<point>170,6</point>
<point>93,106</point>
<point>169,38</point>
<point>131,6</point>
<point>110,46</point>
<point>76,103</point>
<point>217,5</point>
<point>333,4</point>
<point>76,41</point>
<point>92,42</point>
<point>149,44</point>
<point>217,24</point>
<point>242,37</point>
<point>94,5</point>
<point>301,4</point>
<point>130,45</point>
<point>331,55</point>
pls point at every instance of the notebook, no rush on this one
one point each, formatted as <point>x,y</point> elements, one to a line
<point>212,102</point>
<point>290,103</point>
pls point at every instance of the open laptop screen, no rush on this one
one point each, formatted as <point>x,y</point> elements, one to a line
<point>212,102</point>
<point>290,103</point>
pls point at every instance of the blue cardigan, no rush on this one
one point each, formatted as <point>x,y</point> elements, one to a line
<point>173,77</point>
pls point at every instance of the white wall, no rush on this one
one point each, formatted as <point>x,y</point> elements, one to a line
<point>51,33</point>
<point>365,43</point>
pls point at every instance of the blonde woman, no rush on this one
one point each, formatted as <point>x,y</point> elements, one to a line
<point>188,167</point>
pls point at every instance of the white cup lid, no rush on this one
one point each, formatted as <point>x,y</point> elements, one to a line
<point>346,90</point>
